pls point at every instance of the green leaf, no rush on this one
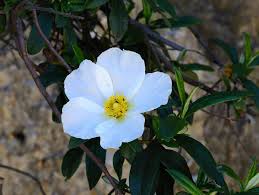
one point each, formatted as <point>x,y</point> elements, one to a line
<point>52,73</point>
<point>93,172</point>
<point>253,88</point>
<point>79,53</point>
<point>184,182</point>
<point>184,21</point>
<point>165,184</point>
<point>2,23</point>
<point>196,67</point>
<point>164,5</point>
<point>229,50</point>
<point>59,102</point>
<point>248,47</point>
<point>173,160</point>
<point>202,157</point>
<point>118,161</point>
<point>254,61</point>
<point>61,21</point>
<point>253,182</point>
<point>76,5</point>
<point>92,4</point>
<point>167,127</point>
<point>229,172</point>
<point>144,172</point>
<point>216,98</point>
<point>202,178</point>
<point>187,103</point>
<point>180,85</point>
<point>75,142</point>
<point>147,11</point>
<point>35,43</point>
<point>70,38</point>
<point>253,191</point>
<point>130,150</point>
<point>118,19</point>
<point>251,172</point>
<point>71,162</point>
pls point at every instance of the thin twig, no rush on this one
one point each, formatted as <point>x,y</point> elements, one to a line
<point>218,115</point>
<point>101,166</point>
<point>17,28</point>
<point>157,37</point>
<point>210,55</point>
<point>25,174</point>
<point>168,65</point>
<point>52,11</point>
<point>37,25</point>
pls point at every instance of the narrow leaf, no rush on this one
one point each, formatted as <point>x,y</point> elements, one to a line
<point>248,47</point>
<point>184,182</point>
<point>78,53</point>
<point>187,103</point>
<point>254,61</point>
<point>216,98</point>
<point>229,50</point>
<point>202,156</point>
<point>251,172</point>
<point>253,182</point>
<point>180,85</point>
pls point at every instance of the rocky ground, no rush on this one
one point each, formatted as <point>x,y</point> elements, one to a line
<point>30,141</point>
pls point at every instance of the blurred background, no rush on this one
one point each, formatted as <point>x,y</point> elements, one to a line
<point>30,141</point>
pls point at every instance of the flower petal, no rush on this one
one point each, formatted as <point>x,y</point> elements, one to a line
<point>154,92</point>
<point>80,116</point>
<point>90,81</point>
<point>114,132</point>
<point>126,68</point>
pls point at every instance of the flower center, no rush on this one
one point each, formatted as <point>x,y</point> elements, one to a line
<point>116,106</point>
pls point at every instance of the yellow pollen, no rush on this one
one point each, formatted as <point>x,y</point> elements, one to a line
<point>228,70</point>
<point>116,106</point>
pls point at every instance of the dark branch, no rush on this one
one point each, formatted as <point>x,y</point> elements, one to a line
<point>25,174</point>
<point>156,37</point>
<point>52,11</point>
<point>60,59</point>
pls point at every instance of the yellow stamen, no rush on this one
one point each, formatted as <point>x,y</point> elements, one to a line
<point>228,70</point>
<point>116,106</point>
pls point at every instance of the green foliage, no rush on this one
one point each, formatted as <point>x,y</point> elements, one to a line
<point>71,162</point>
<point>118,161</point>
<point>130,150</point>
<point>35,43</point>
<point>118,19</point>
<point>167,127</point>
<point>93,172</point>
<point>202,157</point>
<point>75,142</point>
<point>216,98</point>
<point>188,185</point>
<point>228,49</point>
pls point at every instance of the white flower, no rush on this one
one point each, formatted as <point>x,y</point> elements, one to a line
<point>106,99</point>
